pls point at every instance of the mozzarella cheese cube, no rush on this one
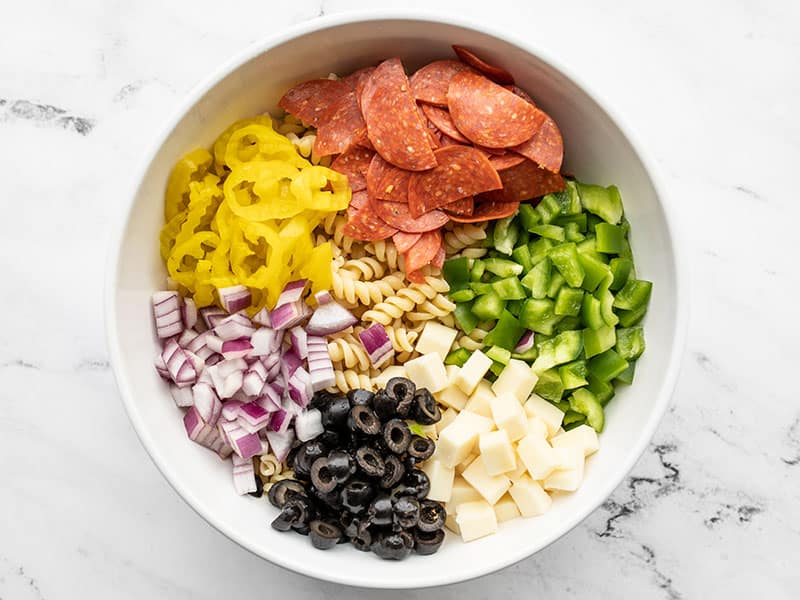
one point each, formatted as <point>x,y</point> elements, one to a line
<point>384,376</point>
<point>569,477</point>
<point>537,427</point>
<point>457,440</point>
<point>436,338</point>
<point>447,417</point>
<point>508,414</point>
<point>451,396</point>
<point>516,379</point>
<point>475,520</point>
<point>462,466</point>
<point>471,373</point>
<point>518,472</point>
<point>497,453</point>
<point>441,479</point>
<point>530,497</point>
<point>583,437</point>
<point>491,487</point>
<point>479,401</point>
<point>558,431</point>
<point>427,371</point>
<point>536,406</point>
<point>450,520</point>
<point>462,492</point>
<point>506,509</point>
<point>538,456</point>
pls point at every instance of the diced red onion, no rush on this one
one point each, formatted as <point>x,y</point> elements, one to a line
<point>197,362</point>
<point>254,379</point>
<point>262,318</point>
<point>186,338</point>
<point>193,423</point>
<point>300,390</point>
<point>214,343</point>
<point>290,362</point>
<point>265,341</point>
<point>199,345</point>
<point>228,376</point>
<point>167,313</point>
<point>211,315</point>
<point>377,344</point>
<point>234,298</point>
<point>252,417</point>
<point>323,297</point>
<point>525,342</point>
<point>213,359</point>
<point>329,318</point>
<point>181,370</point>
<point>280,443</point>
<point>320,366</point>
<point>244,475</point>
<point>288,315</point>
<point>244,443</point>
<point>233,327</point>
<point>230,409</point>
<point>269,399</point>
<point>189,313</point>
<point>207,403</point>
<point>280,421</point>
<point>299,341</point>
<point>292,292</point>
<point>238,348</point>
<point>161,367</point>
<point>308,425</point>
<point>183,396</point>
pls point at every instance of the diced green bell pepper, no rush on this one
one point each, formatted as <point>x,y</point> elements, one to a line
<point>591,222</point>
<point>539,250</point>
<point>498,354</point>
<point>506,234</point>
<point>462,295</point>
<point>496,368</point>
<point>590,312</point>
<point>535,312</point>
<point>457,357</point>
<point>565,259</point>
<point>572,233</point>
<point>480,288</point>
<point>522,255</point>
<point>548,209</point>
<point>610,238</point>
<point>604,202</point>
<point>502,267</point>
<point>579,220</point>
<point>606,303</point>
<point>569,301</point>
<point>569,199</point>
<point>551,232</point>
<point>563,406</point>
<point>561,349</point>
<point>528,216</point>
<point>594,271</point>
<point>634,294</point>
<point>629,318</point>
<point>573,375</point>
<point>528,356</point>
<point>630,342</point>
<point>509,289</point>
<point>583,401</point>
<point>477,270</point>
<point>489,306</point>
<point>568,323</point>
<point>549,385</point>
<point>506,333</point>
<point>514,307</point>
<point>607,366</point>
<point>556,281</point>
<point>537,280</point>
<point>572,419</point>
<point>622,270</point>
<point>597,341</point>
<point>464,317</point>
<point>456,273</point>
<point>602,390</point>
<point>523,239</point>
<point>626,376</point>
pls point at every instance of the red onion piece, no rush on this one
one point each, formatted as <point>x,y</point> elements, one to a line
<point>199,345</point>
<point>211,315</point>
<point>244,443</point>
<point>167,314</point>
<point>320,366</point>
<point>293,292</point>
<point>280,421</point>
<point>288,315</point>
<point>290,362</point>
<point>265,341</point>
<point>300,389</point>
<point>525,342</point>
<point>189,313</point>
<point>181,370</point>
<point>323,297</point>
<point>377,344</point>
<point>183,396</point>
<point>262,318</point>
<point>252,417</point>
<point>244,475</point>
<point>230,409</point>
<point>233,327</point>
<point>238,348</point>
<point>186,338</point>
<point>207,403</point>
<point>213,342</point>
<point>329,318</point>
<point>269,399</point>
<point>298,337</point>
<point>234,298</point>
<point>280,443</point>
<point>308,425</point>
<point>254,379</point>
<point>161,367</point>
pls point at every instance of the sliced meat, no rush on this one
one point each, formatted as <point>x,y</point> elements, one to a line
<point>441,118</point>
<point>393,121</point>
<point>339,127</point>
<point>487,209</point>
<point>399,217</point>
<point>438,260</point>
<point>403,241</point>
<point>309,100</point>
<point>363,224</point>
<point>463,171</point>
<point>354,162</point>
<point>463,207</point>
<point>493,72</point>
<point>356,79</point>
<point>393,185</point>
<point>422,254</point>
<point>546,147</point>
<point>490,115</point>
<point>359,200</point>
<point>429,84</point>
<point>506,161</point>
<point>526,181</point>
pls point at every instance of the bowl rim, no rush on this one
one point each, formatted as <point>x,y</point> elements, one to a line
<point>359,16</point>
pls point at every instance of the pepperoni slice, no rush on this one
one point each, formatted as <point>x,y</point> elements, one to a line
<point>489,114</point>
<point>398,216</point>
<point>546,147</point>
<point>463,207</point>
<point>339,126</point>
<point>403,241</point>
<point>441,118</point>
<point>438,260</point>
<point>526,181</point>
<point>429,84</point>
<point>309,100</point>
<point>393,185</point>
<point>367,226</point>
<point>462,171</point>
<point>354,162</point>
<point>359,200</point>
<point>487,209</point>
<point>498,74</point>
<point>521,93</point>
<point>393,122</point>
<point>506,161</point>
<point>356,79</point>
<point>422,254</point>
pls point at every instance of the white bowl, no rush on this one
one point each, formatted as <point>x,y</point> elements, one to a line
<point>598,150</point>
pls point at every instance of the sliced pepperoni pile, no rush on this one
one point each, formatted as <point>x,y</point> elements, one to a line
<point>458,140</point>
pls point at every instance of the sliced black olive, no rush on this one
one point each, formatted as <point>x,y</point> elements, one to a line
<point>321,399</point>
<point>380,511</point>
<point>426,409</point>
<point>393,546</point>
<point>283,490</point>
<point>417,483</point>
<point>324,535</point>
<point>362,540</point>
<point>356,496</point>
<point>334,413</point>
<point>363,419</point>
<point>321,476</point>
<point>428,542</point>
<point>421,448</point>
<point>350,524</point>
<point>259,488</point>
<point>431,516</point>
<point>396,435</point>
<point>393,472</point>
<point>402,390</point>
<point>370,462</point>
<point>301,528</point>
<point>360,397</point>
<point>327,501</point>
<point>329,438</point>
<point>385,406</point>
<point>406,512</point>
<point>341,465</point>
<point>286,518</point>
<point>291,457</point>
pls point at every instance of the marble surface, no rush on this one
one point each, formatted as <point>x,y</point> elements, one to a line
<point>711,510</point>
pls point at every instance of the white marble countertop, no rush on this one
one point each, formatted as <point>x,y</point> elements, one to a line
<point>711,510</point>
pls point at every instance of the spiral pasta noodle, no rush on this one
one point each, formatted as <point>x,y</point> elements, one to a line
<point>473,340</point>
<point>366,268</point>
<point>386,252</point>
<point>346,349</point>
<point>349,379</point>
<point>463,236</point>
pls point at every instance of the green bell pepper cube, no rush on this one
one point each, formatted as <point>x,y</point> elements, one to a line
<point>626,376</point>
<point>568,323</point>
<point>606,203</point>
<point>579,221</point>
<point>569,199</point>
<point>480,288</point>
<point>629,318</point>
<point>586,403</point>
<point>610,238</point>
<point>597,341</point>
<point>496,368</point>
<point>602,390</point>
<point>590,312</point>
<point>561,349</point>
<point>607,366</point>
<point>456,273</point>
<point>565,259</point>
<point>551,232</point>
<point>509,289</point>
<point>630,342</point>
<point>595,271</point>
<point>607,304</point>
<point>548,209</point>
<point>477,270</point>
<point>622,270</point>
<point>569,301</point>
<point>506,234</point>
<point>591,222</point>
<point>498,354</point>
<point>563,406</point>
<point>523,239</point>
<point>489,306</point>
<point>572,419</point>
<point>502,267</point>
<point>528,356</point>
<point>539,250</point>
<point>464,317</point>
<point>634,294</point>
<point>522,255</point>
<point>572,233</point>
<point>573,375</point>
<point>515,307</point>
<point>528,216</point>
<point>549,385</point>
<point>535,311</point>
<point>506,332</point>
<point>537,280</point>
<point>457,357</point>
<point>556,281</point>
<point>462,295</point>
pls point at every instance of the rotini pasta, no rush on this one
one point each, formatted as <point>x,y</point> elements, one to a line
<point>461,236</point>
<point>473,340</point>
<point>350,379</point>
<point>345,349</point>
<point>386,252</point>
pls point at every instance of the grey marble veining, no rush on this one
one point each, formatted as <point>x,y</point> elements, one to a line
<point>710,510</point>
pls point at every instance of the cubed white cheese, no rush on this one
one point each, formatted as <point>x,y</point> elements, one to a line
<point>518,471</point>
<point>462,466</point>
<point>441,478</point>
<point>452,397</point>
<point>530,497</point>
<point>436,338</point>
<point>508,414</point>
<point>536,406</point>
<point>384,376</point>
<point>472,372</point>
<point>506,509</point>
<point>450,520</point>
<point>475,520</point>
<point>479,404</point>
<point>537,427</point>
<point>538,456</point>
<point>491,487</point>
<point>457,440</point>
<point>558,431</point>
<point>427,371</point>
<point>447,417</point>
<point>496,452</point>
<point>569,478</point>
<point>462,492</point>
<point>516,379</point>
<point>582,436</point>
